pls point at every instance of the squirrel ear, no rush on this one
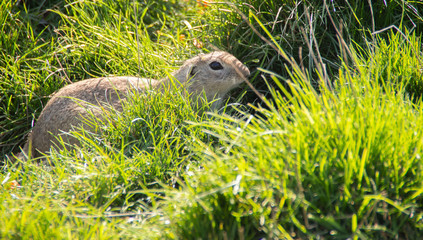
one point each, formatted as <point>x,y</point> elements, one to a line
<point>192,71</point>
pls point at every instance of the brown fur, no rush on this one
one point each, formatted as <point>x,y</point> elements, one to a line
<point>70,104</point>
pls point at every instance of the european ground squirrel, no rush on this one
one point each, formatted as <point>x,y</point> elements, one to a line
<point>216,73</point>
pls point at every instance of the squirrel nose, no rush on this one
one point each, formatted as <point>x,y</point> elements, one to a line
<point>245,71</point>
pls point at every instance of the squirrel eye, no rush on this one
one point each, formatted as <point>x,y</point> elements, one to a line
<point>216,65</point>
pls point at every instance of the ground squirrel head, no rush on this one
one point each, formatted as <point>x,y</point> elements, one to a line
<point>216,73</point>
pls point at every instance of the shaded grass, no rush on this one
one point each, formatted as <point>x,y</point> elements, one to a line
<point>24,67</point>
<point>113,45</point>
<point>307,31</point>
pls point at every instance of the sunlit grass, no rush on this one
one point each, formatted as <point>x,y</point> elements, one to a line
<point>345,163</point>
<point>337,160</point>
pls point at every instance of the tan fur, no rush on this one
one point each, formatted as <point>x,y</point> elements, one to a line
<point>69,105</point>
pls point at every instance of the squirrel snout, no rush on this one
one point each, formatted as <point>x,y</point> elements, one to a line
<point>245,71</point>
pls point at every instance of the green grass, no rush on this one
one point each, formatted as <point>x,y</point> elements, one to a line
<point>74,53</point>
<point>345,163</point>
<point>305,30</point>
<point>402,67</point>
<point>307,161</point>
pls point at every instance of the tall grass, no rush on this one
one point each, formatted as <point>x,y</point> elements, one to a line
<point>336,160</point>
<point>145,146</point>
<point>342,164</point>
<point>24,66</point>
<point>307,31</point>
<point>402,67</point>
<point>92,39</point>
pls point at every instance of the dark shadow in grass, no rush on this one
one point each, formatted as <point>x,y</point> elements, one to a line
<point>294,25</point>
